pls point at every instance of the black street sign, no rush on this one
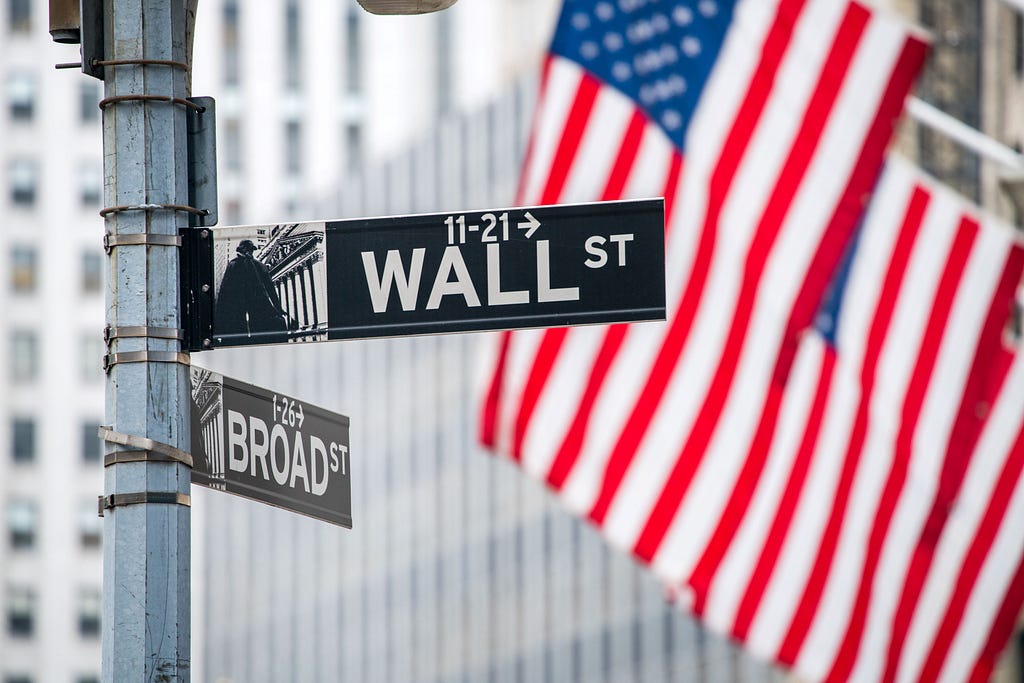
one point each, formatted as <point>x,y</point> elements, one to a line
<point>270,447</point>
<point>542,266</point>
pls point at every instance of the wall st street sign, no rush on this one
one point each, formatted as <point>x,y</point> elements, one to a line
<point>270,447</point>
<point>425,274</point>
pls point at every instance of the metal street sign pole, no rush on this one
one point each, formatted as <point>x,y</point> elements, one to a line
<point>146,535</point>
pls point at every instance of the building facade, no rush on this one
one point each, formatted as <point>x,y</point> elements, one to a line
<point>307,92</point>
<point>975,72</point>
<point>51,345</point>
<point>459,568</point>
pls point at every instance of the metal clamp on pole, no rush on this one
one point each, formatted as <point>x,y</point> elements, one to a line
<point>149,450</point>
<point>140,62</point>
<point>112,359</point>
<point>119,499</point>
<point>111,333</point>
<point>107,101</point>
<point>139,238</point>
<point>153,207</point>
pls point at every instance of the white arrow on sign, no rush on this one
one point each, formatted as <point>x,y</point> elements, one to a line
<point>530,225</point>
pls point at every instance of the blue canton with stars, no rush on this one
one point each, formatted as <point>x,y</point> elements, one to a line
<point>657,52</point>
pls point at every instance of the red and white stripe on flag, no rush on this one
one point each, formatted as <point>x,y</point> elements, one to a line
<point>823,500</point>
<point>855,537</point>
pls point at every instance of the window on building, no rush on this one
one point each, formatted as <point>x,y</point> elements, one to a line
<point>89,610</point>
<point>444,63</point>
<point>21,608</point>
<point>23,268</point>
<point>23,176</point>
<point>90,183</point>
<point>19,15</point>
<point>232,145</point>
<point>353,46</point>
<point>91,349</point>
<point>90,525</point>
<point>88,101</point>
<point>293,147</point>
<point>92,272</point>
<point>22,523</point>
<point>21,96</point>
<point>231,214</point>
<point>230,41</point>
<point>23,440</point>
<point>24,355</point>
<point>354,146</point>
<point>91,445</point>
<point>292,46</point>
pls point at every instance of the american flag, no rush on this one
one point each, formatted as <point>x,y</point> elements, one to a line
<point>887,461</point>
<point>795,479</point>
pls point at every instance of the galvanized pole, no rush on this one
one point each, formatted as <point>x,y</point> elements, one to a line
<point>146,535</point>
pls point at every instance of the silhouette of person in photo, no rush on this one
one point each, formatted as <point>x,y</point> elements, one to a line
<point>247,302</point>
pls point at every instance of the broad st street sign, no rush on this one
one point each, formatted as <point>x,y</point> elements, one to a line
<point>270,447</point>
<point>425,274</point>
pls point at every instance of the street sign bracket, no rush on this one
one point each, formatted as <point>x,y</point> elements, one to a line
<point>202,161</point>
<point>92,37</point>
<point>196,284</point>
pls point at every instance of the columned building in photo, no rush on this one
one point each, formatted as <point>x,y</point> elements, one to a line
<point>296,263</point>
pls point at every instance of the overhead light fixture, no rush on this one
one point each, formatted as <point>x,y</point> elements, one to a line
<point>405,6</point>
<point>65,21</point>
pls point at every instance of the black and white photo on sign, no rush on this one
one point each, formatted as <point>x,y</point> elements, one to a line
<point>271,282</point>
<point>207,425</point>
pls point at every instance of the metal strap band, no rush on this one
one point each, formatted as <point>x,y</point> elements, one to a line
<point>140,238</point>
<point>147,448</point>
<point>154,207</point>
<point>166,497</point>
<point>142,331</point>
<point>140,62</point>
<point>112,359</point>
<point>118,457</point>
<point>106,102</point>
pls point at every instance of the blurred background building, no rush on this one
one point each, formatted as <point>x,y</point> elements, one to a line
<point>975,73</point>
<point>51,346</point>
<point>458,568</point>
